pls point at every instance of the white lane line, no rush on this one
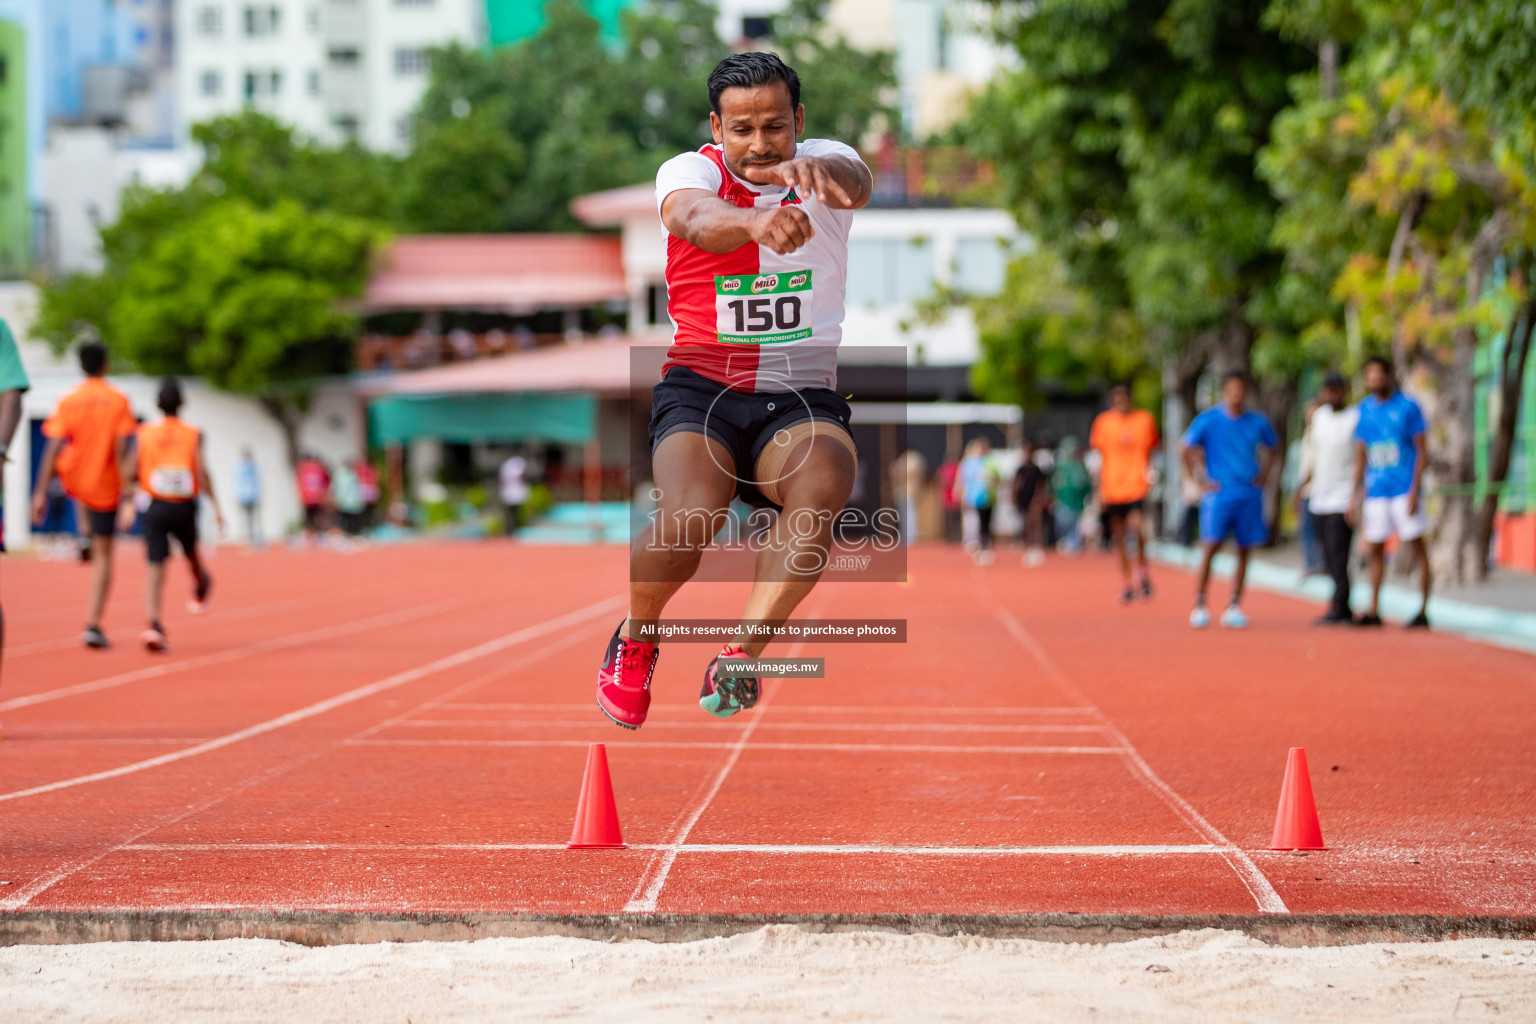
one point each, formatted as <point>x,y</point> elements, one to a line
<point>21,897</point>
<point>234,654</point>
<point>550,723</point>
<point>927,748</point>
<point>648,888</point>
<point>884,709</point>
<point>31,890</point>
<point>1247,871</point>
<point>819,849</point>
<point>474,684</point>
<point>330,704</point>
<point>122,635</point>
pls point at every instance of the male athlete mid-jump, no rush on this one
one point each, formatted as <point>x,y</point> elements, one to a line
<point>757,256</point>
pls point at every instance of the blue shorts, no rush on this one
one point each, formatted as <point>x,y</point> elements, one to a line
<point>1240,516</point>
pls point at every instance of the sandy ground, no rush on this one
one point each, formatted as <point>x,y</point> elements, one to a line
<point>775,974</point>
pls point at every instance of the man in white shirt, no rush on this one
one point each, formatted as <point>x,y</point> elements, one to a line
<point>513,479</point>
<point>1328,466</point>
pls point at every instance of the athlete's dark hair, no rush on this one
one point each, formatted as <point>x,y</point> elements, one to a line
<point>1119,385</point>
<point>169,399</point>
<point>1381,361</point>
<point>749,70</point>
<point>93,358</point>
<point>1232,375</point>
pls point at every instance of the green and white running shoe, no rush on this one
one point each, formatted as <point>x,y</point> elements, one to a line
<point>723,696</point>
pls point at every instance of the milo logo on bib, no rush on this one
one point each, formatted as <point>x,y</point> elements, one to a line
<point>762,309</point>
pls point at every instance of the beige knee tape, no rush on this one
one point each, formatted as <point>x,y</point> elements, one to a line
<point>774,462</point>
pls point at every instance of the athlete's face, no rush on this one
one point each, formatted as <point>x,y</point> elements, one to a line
<point>757,127</point>
<point>1120,400</point>
<point>1234,392</point>
<point>1377,380</point>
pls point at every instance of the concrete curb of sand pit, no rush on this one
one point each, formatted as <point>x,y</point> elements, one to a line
<point>326,928</point>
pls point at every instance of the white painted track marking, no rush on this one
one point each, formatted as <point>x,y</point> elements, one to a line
<point>260,647</point>
<point>330,704</point>
<point>1247,871</point>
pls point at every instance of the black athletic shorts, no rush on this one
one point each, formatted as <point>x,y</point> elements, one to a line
<point>743,421</point>
<point>164,520</point>
<point>1122,509</point>
<point>101,522</point>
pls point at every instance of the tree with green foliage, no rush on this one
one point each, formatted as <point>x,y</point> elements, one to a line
<point>240,277</point>
<point>1399,201</point>
<point>504,139</point>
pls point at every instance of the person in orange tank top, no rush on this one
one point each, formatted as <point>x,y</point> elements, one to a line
<point>87,445</point>
<point>168,465</point>
<point>1125,438</point>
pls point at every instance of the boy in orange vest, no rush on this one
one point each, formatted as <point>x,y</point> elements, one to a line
<point>87,445</point>
<point>168,465</point>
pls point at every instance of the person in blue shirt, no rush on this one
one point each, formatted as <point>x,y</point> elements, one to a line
<point>1389,468</point>
<point>1231,450</point>
<point>248,493</point>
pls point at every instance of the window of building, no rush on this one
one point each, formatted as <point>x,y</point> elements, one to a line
<point>210,83</point>
<point>210,21</point>
<point>346,126</point>
<point>263,20</point>
<point>980,265</point>
<point>755,26</point>
<point>314,81</point>
<point>262,85</point>
<point>414,3</point>
<point>345,56</point>
<point>410,60</point>
<point>403,130</point>
<point>889,271</point>
<point>314,18</point>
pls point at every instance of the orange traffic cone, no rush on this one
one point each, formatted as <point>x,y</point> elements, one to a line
<point>597,818</point>
<point>1296,825</point>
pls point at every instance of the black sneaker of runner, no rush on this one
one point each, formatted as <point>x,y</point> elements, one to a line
<point>1128,595</point>
<point>1368,619</point>
<point>94,637</point>
<point>85,551</point>
<point>1419,621</point>
<point>1146,588</point>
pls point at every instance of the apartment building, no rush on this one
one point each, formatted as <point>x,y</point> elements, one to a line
<point>335,69</point>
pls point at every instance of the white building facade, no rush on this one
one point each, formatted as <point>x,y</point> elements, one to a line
<point>336,70</point>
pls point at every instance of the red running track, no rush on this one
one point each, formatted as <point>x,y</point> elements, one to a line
<point>404,729</point>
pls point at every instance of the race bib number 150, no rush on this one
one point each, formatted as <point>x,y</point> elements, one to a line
<point>761,309</point>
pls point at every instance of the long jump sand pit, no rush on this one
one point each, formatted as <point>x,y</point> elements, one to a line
<point>776,973</point>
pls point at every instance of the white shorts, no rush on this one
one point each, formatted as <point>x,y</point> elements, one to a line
<point>1380,518</point>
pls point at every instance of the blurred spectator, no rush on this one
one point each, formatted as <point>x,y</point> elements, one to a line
<point>513,481</point>
<point>946,477</point>
<point>1328,465</point>
<point>347,496</point>
<point>1312,561</point>
<point>909,474</point>
<point>462,344</point>
<point>1070,487</point>
<point>1032,496</point>
<point>248,494</point>
<point>368,481</point>
<point>314,491</point>
<point>978,480</point>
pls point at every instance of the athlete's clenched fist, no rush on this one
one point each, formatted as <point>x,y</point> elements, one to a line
<point>782,228</point>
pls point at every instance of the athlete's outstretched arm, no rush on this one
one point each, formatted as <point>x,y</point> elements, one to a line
<point>837,181</point>
<point>704,219</point>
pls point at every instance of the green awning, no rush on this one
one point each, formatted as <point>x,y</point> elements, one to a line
<point>555,419</point>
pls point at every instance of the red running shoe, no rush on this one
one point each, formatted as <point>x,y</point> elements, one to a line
<point>723,696</point>
<point>624,680</point>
